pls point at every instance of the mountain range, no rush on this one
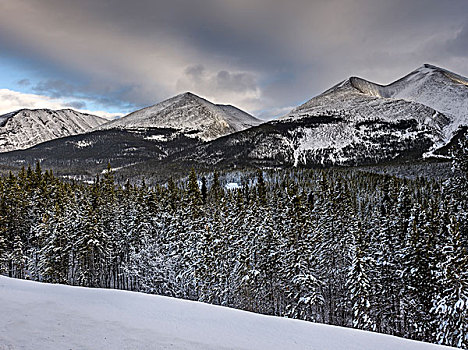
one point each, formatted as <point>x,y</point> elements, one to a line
<point>356,122</point>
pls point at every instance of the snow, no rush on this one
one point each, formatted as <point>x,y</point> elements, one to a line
<point>439,89</point>
<point>188,113</point>
<point>233,186</point>
<point>83,144</point>
<point>160,138</point>
<point>46,316</point>
<point>435,98</point>
<point>26,128</point>
<point>435,87</point>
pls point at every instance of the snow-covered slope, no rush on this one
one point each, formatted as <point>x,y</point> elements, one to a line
<point>431,86</point>
<point>355,122</point>
<point>46,316</point>
<point>29,127</point>
<point>429,103</point>
<point>190,114</point>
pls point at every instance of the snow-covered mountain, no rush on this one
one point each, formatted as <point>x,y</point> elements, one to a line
<point>150,134</point>
<point>355,122</point>
<point>435,87</point>
<point>50,316</point>
<point>190,114</point>
<point>29,127</point>
<point>433,98</point>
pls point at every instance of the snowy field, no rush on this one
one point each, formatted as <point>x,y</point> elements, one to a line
<point>44,316</point>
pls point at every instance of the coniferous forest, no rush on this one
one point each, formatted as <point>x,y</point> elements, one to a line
<point>337,246</point>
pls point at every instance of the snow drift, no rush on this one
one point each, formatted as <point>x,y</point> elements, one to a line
<point>45,316</point>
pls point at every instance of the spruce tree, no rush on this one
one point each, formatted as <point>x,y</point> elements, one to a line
<point>451,306</point>
<point>359,284</point>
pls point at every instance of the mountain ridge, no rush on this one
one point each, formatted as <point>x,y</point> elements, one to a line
<point>351,124</point>
<point>188,113</point>
<point>25,128</point>
<point>347,125</point>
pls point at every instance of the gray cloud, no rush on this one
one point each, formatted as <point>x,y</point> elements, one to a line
<point>222,86</point>
<point>459,45</point>
<point>238,82</point>
<point>54,88</point>
<point>262,55</point>
<point>76,104</point>
<point>24,82</point>
<point>222,80</point>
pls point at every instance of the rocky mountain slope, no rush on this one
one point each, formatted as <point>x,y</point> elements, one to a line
<point>435,87</point>
<point>355,122</point>
<point>191,115</point>
<point>145,136</point>
<point>26,127</point>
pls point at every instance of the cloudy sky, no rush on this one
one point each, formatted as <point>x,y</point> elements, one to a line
<point>264,56</point>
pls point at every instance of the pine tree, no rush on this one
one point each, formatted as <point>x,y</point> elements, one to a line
<point>54,263</point>
<point>451,306</point>
<point>419,275</point>
<point>261,188</point>
<point>3,249</point>
<point>216,190</point>
<point>193,190</point>
<point>204,190</point>
<point>359,284</point>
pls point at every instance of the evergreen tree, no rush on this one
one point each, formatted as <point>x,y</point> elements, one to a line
<point>261,188</point>
<point>193,190</point>
<point>451,306</point>
<point>359,284</point>
<point>204,190</point>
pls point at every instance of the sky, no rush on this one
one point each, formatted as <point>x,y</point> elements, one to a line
<point>111,57</point>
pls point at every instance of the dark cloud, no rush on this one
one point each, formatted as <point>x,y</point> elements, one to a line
<point>24,82</point>
<point>54,88</point>
<point>263,55</point>
<point>76,104</point>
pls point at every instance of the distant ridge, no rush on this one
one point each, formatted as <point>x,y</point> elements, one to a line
<point>356,122</point>
<point>188,113</point>
<point>429,85</point>
<point>28,127</point>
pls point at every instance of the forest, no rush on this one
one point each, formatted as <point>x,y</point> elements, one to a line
<point>336,246</point>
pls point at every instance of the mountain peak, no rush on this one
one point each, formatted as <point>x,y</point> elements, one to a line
<point>429,69</point>
<point>186,94</point>
<point>27,127</point>
<point>431,66</point>
<point>189,114</point>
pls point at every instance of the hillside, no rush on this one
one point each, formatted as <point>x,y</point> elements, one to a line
<point>190,114</point>
<point>353,123</point>
<point>431,86</point>
<point>46,316</point>
<point>28,127</point>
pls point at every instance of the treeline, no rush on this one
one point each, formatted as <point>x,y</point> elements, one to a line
<point>335,246</point>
